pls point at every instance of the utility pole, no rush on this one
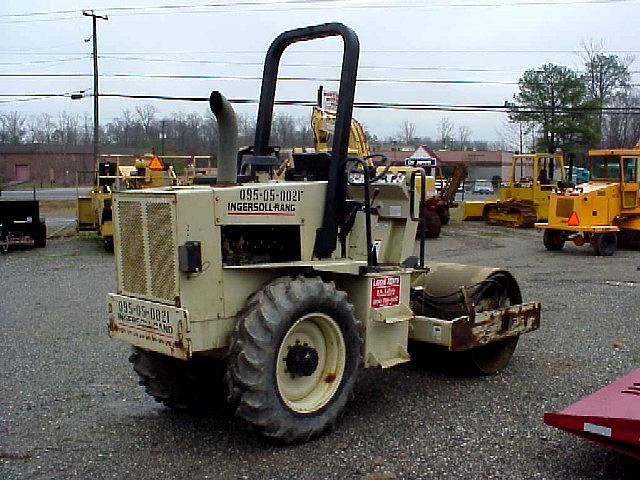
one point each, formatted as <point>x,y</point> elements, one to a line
<point>162,137</point>
<point>96,116</point>
<point>521,145</point>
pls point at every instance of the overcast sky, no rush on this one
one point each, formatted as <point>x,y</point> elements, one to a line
<point>486,41</point>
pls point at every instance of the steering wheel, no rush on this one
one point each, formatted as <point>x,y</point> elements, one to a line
<point>370,171</point>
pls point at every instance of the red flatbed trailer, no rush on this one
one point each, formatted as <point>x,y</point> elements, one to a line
<point>609,417</point>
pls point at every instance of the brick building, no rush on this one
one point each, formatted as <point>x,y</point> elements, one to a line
<point>48,164</point>
<point>481,164</point>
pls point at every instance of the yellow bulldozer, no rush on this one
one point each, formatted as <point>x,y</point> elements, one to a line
<point>94,209</point>
<point>603,210</point>
<point>524,198</point>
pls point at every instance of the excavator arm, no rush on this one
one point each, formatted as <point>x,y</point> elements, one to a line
<point>458,175</point>
<point>322,125</point>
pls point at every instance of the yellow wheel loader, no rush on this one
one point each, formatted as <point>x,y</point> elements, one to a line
<point>524,198</point>
<point>602,211</point>
<point>94,211</point>
<point>289,288</point>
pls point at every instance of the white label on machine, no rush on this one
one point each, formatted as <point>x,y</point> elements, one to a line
<point>385,291</point>
<point>330,100</point>
<point>376,246</point>
<point>265,201</point>
<point>597,429</point>
<point>437,332</point>
<point>395,211</point>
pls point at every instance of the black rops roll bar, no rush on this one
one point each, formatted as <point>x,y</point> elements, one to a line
<point>327,234</point>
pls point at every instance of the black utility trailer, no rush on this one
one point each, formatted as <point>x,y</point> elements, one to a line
<point>20,224</point>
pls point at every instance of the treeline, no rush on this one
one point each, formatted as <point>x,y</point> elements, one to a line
<point>571,110</point>
<point>184,133</point>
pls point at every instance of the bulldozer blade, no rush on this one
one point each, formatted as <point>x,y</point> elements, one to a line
<point>609,417</point>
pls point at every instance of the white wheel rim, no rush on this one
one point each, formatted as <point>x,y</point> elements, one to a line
<point>306,394</point>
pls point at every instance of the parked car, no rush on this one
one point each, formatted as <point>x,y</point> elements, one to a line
<point>483,186</point>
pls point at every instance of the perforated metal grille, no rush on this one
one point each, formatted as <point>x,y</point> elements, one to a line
<point>162,250</point>
<point>133,274</point>
<point>564,207</point>
<point>146,250</point>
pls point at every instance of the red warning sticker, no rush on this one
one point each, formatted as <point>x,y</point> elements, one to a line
<point>385,291</point>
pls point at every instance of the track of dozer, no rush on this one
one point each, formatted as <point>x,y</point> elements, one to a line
<point>511,214</point>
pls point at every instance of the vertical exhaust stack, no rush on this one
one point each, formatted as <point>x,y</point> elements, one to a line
<point>227,138</point>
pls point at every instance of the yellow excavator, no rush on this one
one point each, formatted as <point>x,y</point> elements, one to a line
<point>434,212</point>
<point>524,198</point>
<point>603,210</point>
<point>322,125</point>
<point>94,210</point>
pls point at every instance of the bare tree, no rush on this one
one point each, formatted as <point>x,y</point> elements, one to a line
<point>284,129</point>
<point>66,131</point>
<point>12,128</point>
<point>605,75</point>
<point>210,132</point>
<point>623,129</point>
<point>408,132</point>
<point>246,129</point>
<point>147,117</point>
<point>515,136</point>
<point>40,128</point>
<point>464,135</point>
<point>445,132</point>
<point>195,126</point>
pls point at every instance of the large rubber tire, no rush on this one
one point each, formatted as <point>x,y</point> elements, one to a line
<point>604,244</point>
<point>287,313</point>
<point>196,384</point>
<point>491,358</point>
<point>553,239</point>
<point>108,244</point>
<point>432,223</point>
<point>445,215</point>
<point>40,235</point>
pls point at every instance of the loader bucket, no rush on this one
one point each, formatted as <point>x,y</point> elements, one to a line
<point>609,417</point>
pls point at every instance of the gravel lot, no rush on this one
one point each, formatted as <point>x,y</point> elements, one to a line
<point>71,408</point>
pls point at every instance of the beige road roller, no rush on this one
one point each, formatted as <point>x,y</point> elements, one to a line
<point>290,287</point>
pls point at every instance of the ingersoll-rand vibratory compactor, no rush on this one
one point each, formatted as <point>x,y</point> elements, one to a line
<point>291,286</point>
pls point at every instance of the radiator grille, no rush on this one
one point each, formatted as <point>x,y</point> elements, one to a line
<point>162,249</point>
<point>133,275</point>
<point>564,207</point>
<point>146,252</point>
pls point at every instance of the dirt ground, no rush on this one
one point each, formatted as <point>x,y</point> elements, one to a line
<point>71,407</point>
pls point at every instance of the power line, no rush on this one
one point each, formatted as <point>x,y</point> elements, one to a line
<point>24,100</point>
<point>360,105</point>
<point>251,78</point>
<point>258,78</point>
<point>45,62</point>
<point>308,51</point>
<point>284,65</point>
<point>320,65</point>
<point>27,17</point>
<point>390,105</point>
